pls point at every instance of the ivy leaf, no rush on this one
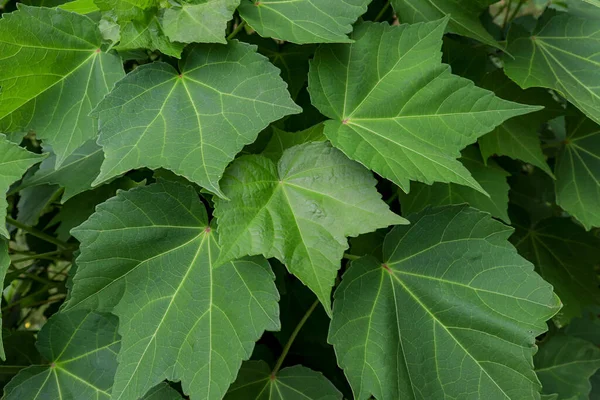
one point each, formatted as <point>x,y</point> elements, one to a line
<point>565,256</point>
<point>200,21</point>
<point>491,177</point>
<point>518,137</point>
<point>193,122</point>
<point>255,382</point>
<point>560,55</point>
<point>75,175</point>
<point>14,161</point>
<point>185,326</point>
<point>4,264</point>
<point>299,211</point>
<point>565,365</point>
<point>303,21</point>
<point>81,348</point>
<point>53,94</point>
<point>464,16</point>
<point>413,130</point>
<point>162,391</point>
<point>281,140</point>
<point>453,311</point>
<point>578,171</point>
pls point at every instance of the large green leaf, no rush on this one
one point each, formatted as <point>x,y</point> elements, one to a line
<point>75,175</point>
<point>199,21</point>
<point>565,364</point>
<point>491,177</point>
<point>578,171</point>
<point>560,54</point>
<point>199,320</point>
<point>397,109</point>
<point>299,211</point>
<point>52,74</point>
<point>303,21</point>
<point>14,161</point>
<point>564,255</point>
<point>4,264</point>
<point>192,122</point>
<point>255,382</point>
<point>464,15</point>
<point>452,312</point>
<point>281,140</point>
<point>518,137</point>
<point>147,33</point>
<point>81,348</point>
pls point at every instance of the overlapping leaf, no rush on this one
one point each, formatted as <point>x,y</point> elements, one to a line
<point>149,254</point>
<point>75,175</point>
<point>518,137</point>
<point>281,140</point>
<point>81,348</point>
<point>299,211</point>
<point>255,382</point>
<point>452,312</point>
<point>561,54</point>
<point>578,171</point>
<point>192,122</point>
<point>14,161</point>
<point>491,177</point>
<point>303,21</point>
<point>52,74</point>
<point>162,391</point>
<point>464,16</point>
<point>565,364</point>
<point>409,131</point>
<point>564,255</point>
<point>199,21</point>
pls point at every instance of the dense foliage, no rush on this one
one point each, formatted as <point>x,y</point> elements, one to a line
<point>300,199</point>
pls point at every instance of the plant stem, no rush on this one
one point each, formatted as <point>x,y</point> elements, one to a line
<point>34,232</point>
<point>38,256</point>
<point>351,257</point>
<point>236,30</point>
<point>290,341</point>
<point>11,369</point>
<point>382,11</point>
<point>517,9</point>
<point>392,198</point>
<point>507,13</point>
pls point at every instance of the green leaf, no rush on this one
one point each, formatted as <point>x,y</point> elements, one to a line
<point>578,171</point>
<point>533,191</point>
<point>200,21</point>
<point>81,348</point>
<point>199,320</point>
<point>75,175</point>
<point>463,16</point>
<point>397,109</point>
<point>162,391</point>
<point>518,137</point>
<point>35,202</point>
<point>565,256</point>
<point>565,364</point>
<point>147,33</point>
<point>4,264</point>
<point>299,211</point>
<point>255,382</point>
<point>14,161</point>
<point>53,74</point>
<point>281,140</point>
<point>127,10</point>
<point>467,59</point>
<point>80,6</point>
<point>453,312</point>
<point>303,21</point>
<point>560,55</point>
<point>193,122</point>
<point>491,177</point>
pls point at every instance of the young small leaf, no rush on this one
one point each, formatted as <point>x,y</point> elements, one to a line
<point>303,21</point>
<point>81,348</point>
<point>453,311</point>
<point>52,74</point>
<point>14,161</point>
<point>193,122</point>
<point>397,109</point>
<point>194,324</point>
<point>255,382</point>
<point>299,211</point>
